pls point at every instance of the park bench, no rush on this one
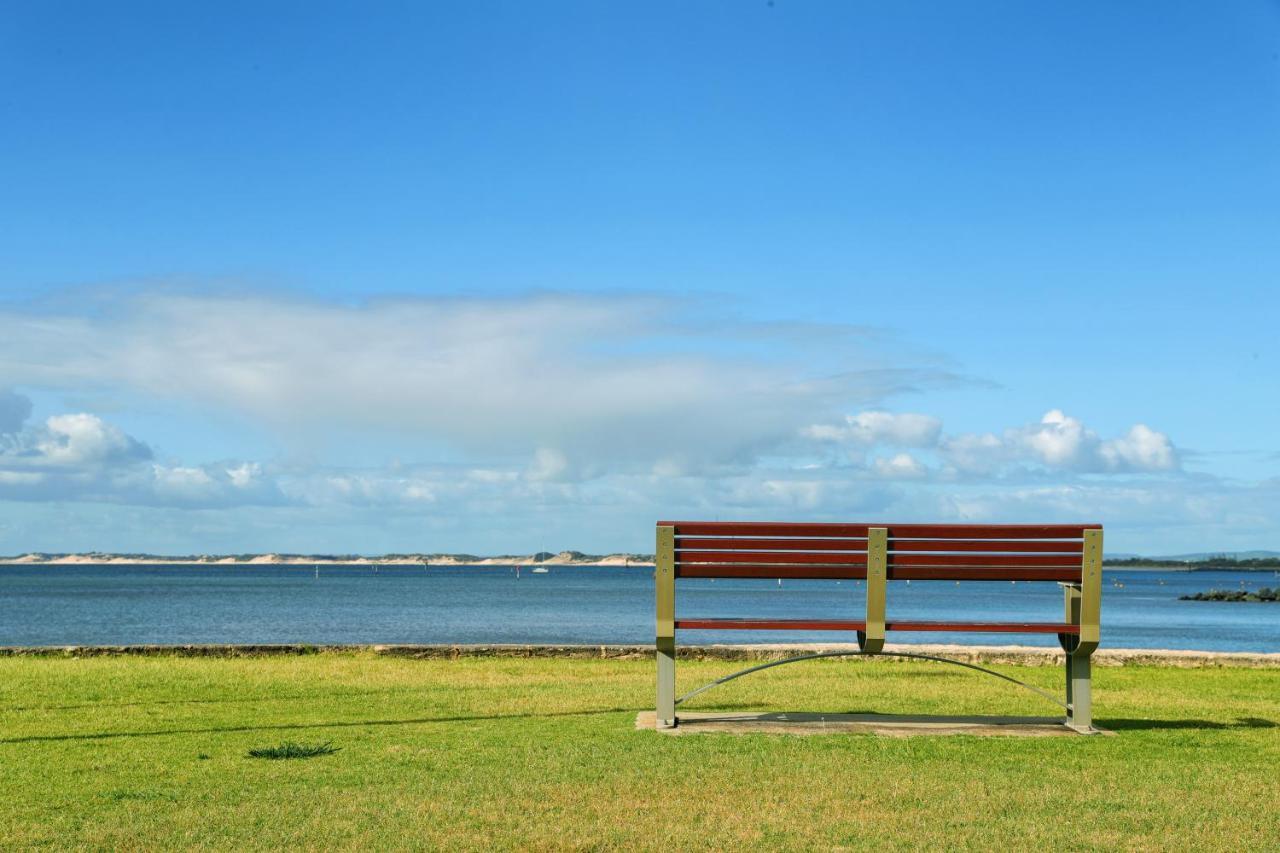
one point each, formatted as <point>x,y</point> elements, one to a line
<point>1070,554</point>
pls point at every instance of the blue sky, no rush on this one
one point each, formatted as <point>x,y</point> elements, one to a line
<point>505,276</point>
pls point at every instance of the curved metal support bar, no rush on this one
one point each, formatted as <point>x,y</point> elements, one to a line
<point>1054,699</point>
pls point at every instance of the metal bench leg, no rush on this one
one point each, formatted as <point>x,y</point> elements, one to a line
<point>1071,602</point>
<point>1079,694</point>
<point>1068,668</point>
<point>666,683</point>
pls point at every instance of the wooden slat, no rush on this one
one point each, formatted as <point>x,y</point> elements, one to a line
<point>759,624</point>
<point>986,560</point>
<point>919,573</point>
<point>984,627</point>
<point>946,546</point>
<point>803,572</point>
<point>764,528</point>
<point>971,573</point>
<point>770,624</point>
<point>771,557</point>
<point>796,558</point>
<point>989,531</point>
<point>905,531</point>
<point>745,544</point>
<point>996,546</point>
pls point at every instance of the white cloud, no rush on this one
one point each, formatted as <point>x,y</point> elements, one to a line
<point>1060,442</point>
<point>975,453</point>
<point>183,482</point>
<point>242,476</point>
<point>607,382</point>
<point>870,428</point>
<point>548,464</point>
<point>902,466</point>
<point>72,441</point>
<point>1142,449</point>
<point>79,457</point>
<point>83,439</point>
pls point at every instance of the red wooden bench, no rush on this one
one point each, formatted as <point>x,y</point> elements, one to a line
<point>1070,554</point>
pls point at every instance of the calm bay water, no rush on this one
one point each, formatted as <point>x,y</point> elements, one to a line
<point>121,604</point>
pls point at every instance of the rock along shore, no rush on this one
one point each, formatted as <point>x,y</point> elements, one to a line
<point>1023,655</point>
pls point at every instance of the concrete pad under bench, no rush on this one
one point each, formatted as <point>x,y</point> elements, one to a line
<point>890,725</point>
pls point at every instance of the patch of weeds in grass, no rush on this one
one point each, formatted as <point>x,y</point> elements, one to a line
<point>289,749</point>
<point>144,795</point>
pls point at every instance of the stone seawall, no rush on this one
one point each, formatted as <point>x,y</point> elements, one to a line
<point>1017,655</point>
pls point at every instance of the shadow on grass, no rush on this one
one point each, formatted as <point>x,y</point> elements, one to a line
<point>228,700</point>
<point>1112,724</point>
<point>1121,725</point>
<point>343,724</point>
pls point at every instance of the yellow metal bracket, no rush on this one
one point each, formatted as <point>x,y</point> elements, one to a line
<point>871,638</point>
<point>1090,596</point>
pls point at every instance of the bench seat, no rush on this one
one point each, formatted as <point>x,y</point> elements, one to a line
<point>730,624</point>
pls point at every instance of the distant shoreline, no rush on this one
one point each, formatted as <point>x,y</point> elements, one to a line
<point>564,558</point>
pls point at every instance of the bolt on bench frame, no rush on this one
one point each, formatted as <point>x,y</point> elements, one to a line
<point>1068,554</point>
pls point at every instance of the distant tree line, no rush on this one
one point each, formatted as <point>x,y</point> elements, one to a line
<point>1223,562</point>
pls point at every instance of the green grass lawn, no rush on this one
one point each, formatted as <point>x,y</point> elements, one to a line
<point>141,752</point>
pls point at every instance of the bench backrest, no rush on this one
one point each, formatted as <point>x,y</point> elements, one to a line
<point>878,553</point>
<point>1024,552</point>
